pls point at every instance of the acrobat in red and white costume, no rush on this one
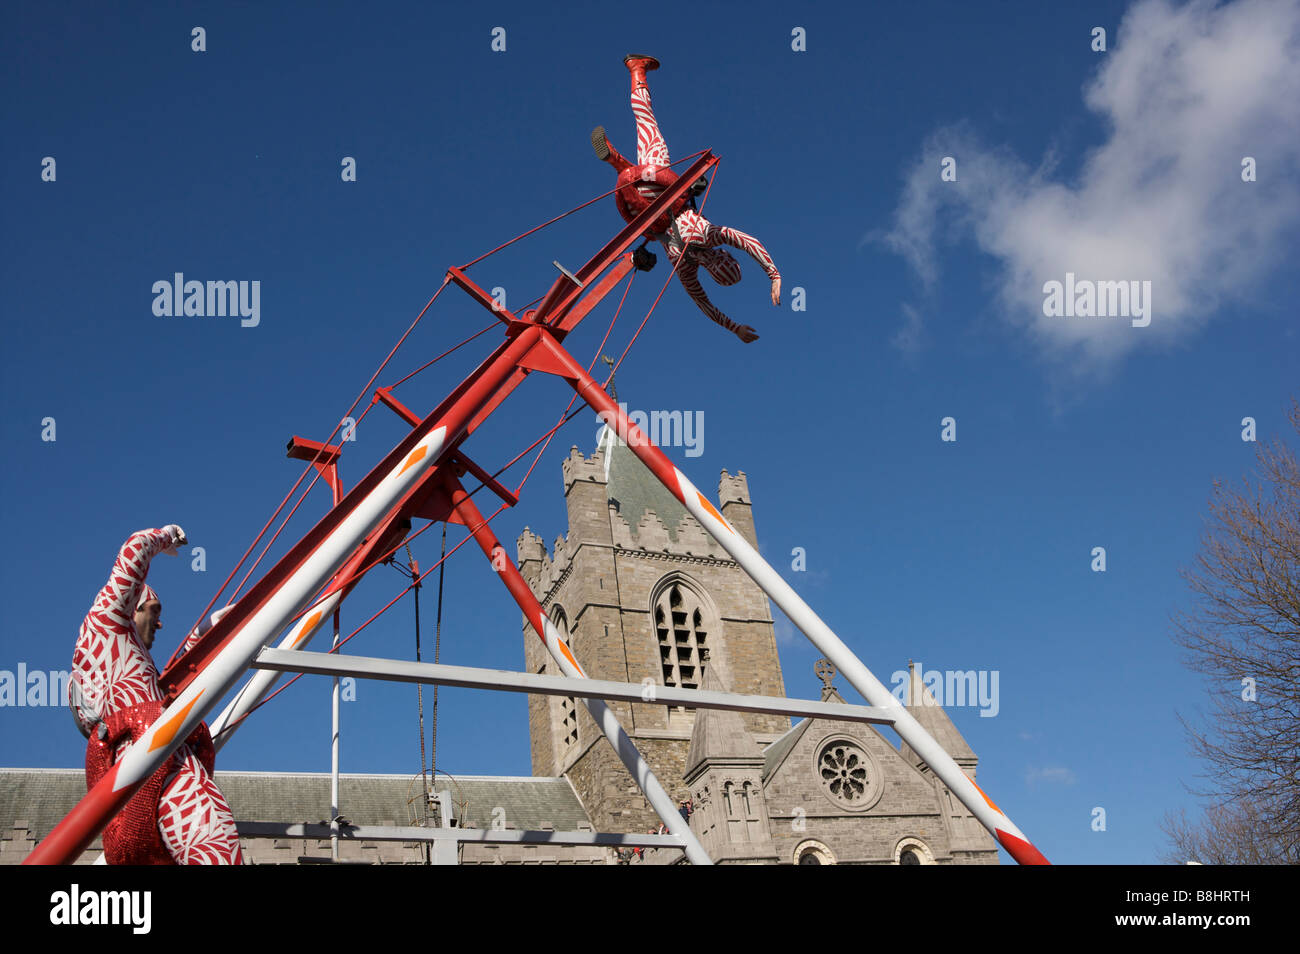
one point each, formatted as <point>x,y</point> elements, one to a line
<point>178,816</point>
<point>685,234</point>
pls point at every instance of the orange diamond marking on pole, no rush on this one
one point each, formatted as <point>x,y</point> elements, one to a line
<point>704,502</point>
<point>987,799</point>
<point>168,731</point>
<point>415,457</point>
<point>569,656</point>
<point>308,628</point>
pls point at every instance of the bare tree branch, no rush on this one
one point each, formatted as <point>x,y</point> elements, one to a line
<point>1243,635</point>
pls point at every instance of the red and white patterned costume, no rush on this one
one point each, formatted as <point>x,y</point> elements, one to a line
<point>114,693</point>
<point>691,237</point>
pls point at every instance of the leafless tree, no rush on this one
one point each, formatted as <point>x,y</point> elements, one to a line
<point>1229,834</point>
<point>1243,635</point>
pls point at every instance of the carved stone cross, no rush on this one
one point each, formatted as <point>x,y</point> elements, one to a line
<point>826,671</point>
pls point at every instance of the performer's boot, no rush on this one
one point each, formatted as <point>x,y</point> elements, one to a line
<point>606,152</point>
<point>637,65</point>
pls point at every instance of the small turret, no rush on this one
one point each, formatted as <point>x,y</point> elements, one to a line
<point>724,769</point>
<point>733,499</point>
<point>531,553</point>
<point>934,720</point>
<point>586,497</point>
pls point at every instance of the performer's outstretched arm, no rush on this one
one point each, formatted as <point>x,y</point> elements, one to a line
<point>101,650</point>
<point>721,235</point>
<point>688,272</point>
<point>116,601</point>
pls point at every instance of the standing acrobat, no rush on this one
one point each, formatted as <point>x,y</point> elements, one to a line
<point>685,233</point>
<point>178,816</point>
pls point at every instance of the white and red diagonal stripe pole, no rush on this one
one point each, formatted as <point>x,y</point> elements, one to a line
<point>244,702</point>
<point>552,357</point>
<point>248,698</point>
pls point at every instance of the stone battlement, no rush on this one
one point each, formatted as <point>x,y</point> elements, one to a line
<point>578,467</point>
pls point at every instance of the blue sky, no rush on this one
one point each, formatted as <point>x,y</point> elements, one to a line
<point>921,303</point>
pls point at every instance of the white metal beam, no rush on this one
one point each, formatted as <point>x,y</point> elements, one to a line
<point>397,670</point>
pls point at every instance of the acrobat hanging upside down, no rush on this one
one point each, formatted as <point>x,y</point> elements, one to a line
<point>684,233</point>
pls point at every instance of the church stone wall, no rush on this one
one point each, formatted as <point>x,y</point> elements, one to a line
<point>611,797</point>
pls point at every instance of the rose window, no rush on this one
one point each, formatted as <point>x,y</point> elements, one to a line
<point>846,773</point>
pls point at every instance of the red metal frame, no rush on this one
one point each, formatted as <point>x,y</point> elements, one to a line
<point>324,457</point>
<point>527,347</point>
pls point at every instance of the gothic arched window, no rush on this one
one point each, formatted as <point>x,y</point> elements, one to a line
<point>682,625</point>
<point>568,721</point>
<point>568,704</point>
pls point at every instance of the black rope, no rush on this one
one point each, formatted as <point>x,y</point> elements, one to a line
<point>413,570</point>
<point>437,651</point>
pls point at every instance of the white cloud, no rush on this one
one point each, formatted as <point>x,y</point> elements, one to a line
<point>1186,92</point>
<point>910,338</point>
<point>1050,775</point>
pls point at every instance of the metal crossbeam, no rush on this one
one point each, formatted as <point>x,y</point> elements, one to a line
<point>495,836</point>
<point>397,670</point>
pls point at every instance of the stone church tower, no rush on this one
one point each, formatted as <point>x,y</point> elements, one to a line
<point>646,596</point>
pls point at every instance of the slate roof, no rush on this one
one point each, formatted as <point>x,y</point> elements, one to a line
<point>776,752</point>
<point>41,797</point>
<point>635,490</point>
<point>719,735</point>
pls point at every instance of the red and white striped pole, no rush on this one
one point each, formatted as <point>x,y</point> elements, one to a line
<point>558,361</point>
